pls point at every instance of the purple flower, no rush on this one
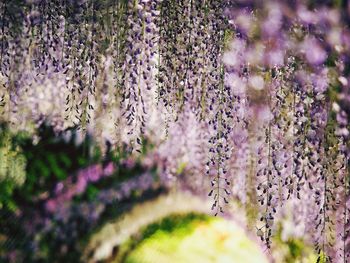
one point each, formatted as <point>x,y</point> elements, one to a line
<point>314,52</point>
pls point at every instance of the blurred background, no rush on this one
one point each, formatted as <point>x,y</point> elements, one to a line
<point>64,200</point>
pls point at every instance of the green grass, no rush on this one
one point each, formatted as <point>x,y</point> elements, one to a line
<point>191,238</point>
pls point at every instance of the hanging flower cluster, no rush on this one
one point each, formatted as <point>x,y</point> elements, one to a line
<point>294,56</point>
<point>249,98</point>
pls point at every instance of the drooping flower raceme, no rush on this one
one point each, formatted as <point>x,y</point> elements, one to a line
<point>248,101</point>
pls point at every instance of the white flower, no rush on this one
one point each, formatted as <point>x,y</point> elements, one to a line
<point>257,82</point>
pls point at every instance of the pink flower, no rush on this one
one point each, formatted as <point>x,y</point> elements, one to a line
<point>81,185</point>
<point>109,169</point>
<point>51,205</point>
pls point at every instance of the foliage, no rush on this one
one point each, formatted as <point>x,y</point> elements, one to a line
<point>12,167</point>
<point>31,228</point>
